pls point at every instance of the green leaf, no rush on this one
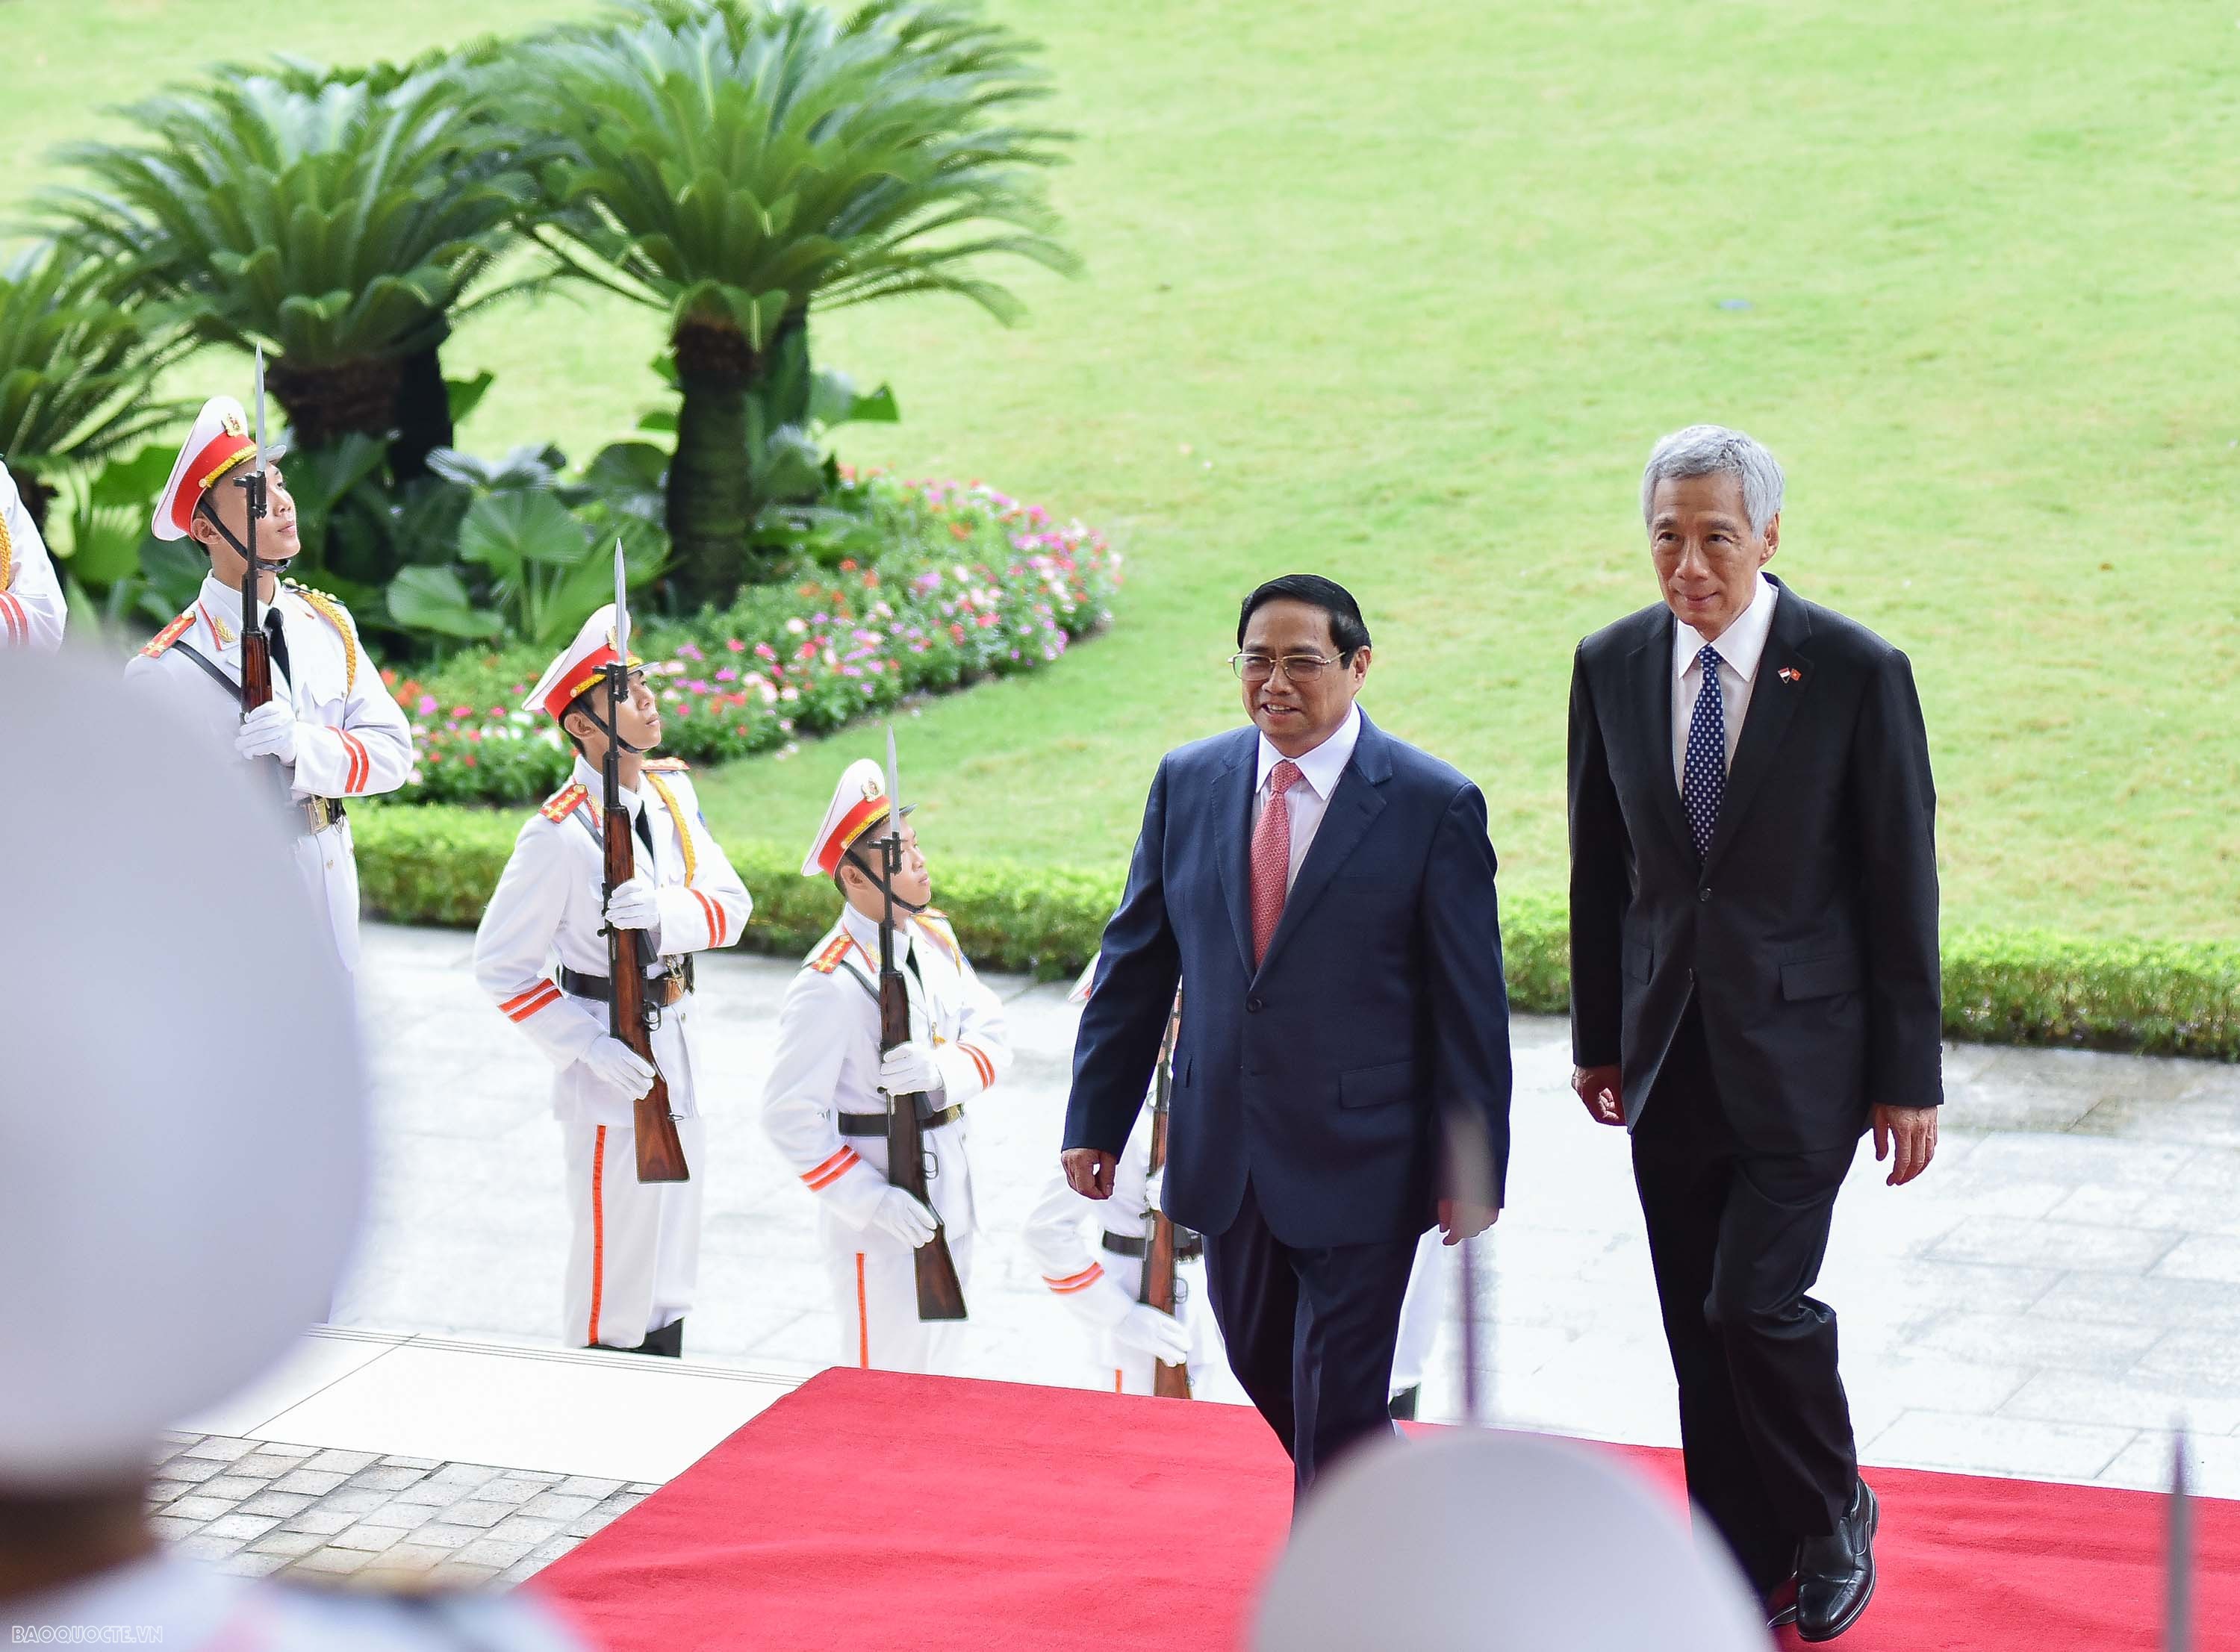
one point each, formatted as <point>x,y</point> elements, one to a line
<point>465,395</point>
<point>436,599</point>
<point>505,531</point>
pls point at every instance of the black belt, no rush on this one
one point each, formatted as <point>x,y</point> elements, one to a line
<point>1188,1246</point>
<point>312,815</point>
<point>660,991</point>
<point>876,1124</point>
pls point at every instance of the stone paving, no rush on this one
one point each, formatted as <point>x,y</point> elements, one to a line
<point>2060,1289</point>
<point>256,1508</point>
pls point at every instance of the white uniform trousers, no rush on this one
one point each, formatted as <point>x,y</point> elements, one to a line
<point>634,1254</point>
<point>873,1278</point>
<point>1426,1305</point>
<point>1129,1370</point>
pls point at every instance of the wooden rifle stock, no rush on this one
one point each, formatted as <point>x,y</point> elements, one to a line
<point>660,1154</point>
<point>1168,1382</point>
<point>940,1292</point>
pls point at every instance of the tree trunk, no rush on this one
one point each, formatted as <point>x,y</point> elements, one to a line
<point>423,413</point>
<point>37,495</point>
<point>326,404</point>
<point>709,499</point>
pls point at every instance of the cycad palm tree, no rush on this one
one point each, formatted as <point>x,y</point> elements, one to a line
<point>734,163</point>
<point>76,368</point>
<point>342,221</point>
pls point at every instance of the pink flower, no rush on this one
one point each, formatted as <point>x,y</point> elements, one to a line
<point>427,706</point>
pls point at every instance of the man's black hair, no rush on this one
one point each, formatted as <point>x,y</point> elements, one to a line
<point>1347,629</point>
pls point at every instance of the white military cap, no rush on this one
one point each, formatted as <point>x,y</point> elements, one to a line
<point>1466,1539</point>
<point>859,803</point>
<point>578,666</point>
<point>219,444</point>
<point>182,1115</point>
<point>1080,993</point>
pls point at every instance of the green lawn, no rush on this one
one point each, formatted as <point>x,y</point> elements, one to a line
<point>1403,293</point>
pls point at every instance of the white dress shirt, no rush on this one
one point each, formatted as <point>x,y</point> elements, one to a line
<point>1309,798</point>
<point>1741,646</point>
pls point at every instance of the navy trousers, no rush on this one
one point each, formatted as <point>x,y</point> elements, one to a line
<point>1310,1333</point>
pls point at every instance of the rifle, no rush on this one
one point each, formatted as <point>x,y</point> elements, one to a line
<point>660,1154</point>
<point>256,646</point>
<point>1168,1382</point>
<point>940,1292</point>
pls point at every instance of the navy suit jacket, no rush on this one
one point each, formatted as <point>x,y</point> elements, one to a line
<point>1379,1011</point>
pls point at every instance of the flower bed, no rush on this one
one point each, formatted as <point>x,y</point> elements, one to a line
<point>955,582</point>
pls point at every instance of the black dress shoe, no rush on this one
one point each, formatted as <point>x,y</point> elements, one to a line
<point>1404,1403</point>
<point>1780,1604</point>
<point>668,1342</point>
<point>1835,1575</point>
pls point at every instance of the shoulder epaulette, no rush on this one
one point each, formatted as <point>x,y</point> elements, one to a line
<point>938,927</point>
<point>829,960</point>
<point>169,635</point>
<point>566,802</point>
<point>667,765</point>
<point>331,610</point>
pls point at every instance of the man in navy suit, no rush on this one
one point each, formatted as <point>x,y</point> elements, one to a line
<point>1327,893</point>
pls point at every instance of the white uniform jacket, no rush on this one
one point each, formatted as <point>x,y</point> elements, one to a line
<point>32,611</point>
<point>351,740</point>
<point>550,909</point>
<point>828,1063</point>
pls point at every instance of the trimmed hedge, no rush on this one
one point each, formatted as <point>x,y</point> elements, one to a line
<point>437,865</point>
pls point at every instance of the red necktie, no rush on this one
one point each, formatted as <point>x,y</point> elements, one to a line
<point>1271,857</point>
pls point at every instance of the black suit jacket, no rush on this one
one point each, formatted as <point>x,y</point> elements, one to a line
<point>1808,935</point>
<point>1379,1011</point>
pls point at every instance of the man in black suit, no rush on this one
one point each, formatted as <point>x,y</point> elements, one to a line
<point>1327,894</point>
<point>1754,981</point>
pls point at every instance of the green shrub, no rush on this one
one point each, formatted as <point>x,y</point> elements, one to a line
<point>434,865</point>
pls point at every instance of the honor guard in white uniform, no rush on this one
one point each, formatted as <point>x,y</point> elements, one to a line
<point>125,1314</point>
<point>825,1108</point>
<point>32,611</point>
<point>330,726</point>
<point>541,954</point>
<point>1127,1337</point>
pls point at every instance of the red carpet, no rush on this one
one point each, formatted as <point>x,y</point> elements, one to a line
<point>870,1511</point>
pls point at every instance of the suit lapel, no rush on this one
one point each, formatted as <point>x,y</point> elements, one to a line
<point>1774,700</point>
<point>1353,807</point>
<point>1651,696</point>
<point>1233,838</point>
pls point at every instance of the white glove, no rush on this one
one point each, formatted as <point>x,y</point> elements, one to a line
<point>269,731</point>
<point>1155,1192</point>
<point>615,1064</point>
<point>1134,1324</point>
<point>633,906</point>
<point>909,1069</point>
<point>903,1215</point>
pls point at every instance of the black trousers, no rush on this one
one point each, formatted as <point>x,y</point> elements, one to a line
<point>1737,1239</point>
<point>1310,1332</point>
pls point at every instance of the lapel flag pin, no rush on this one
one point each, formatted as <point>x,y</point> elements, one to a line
<point>1790,674</point>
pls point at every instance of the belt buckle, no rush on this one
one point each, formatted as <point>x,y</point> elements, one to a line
<point>312,812</point>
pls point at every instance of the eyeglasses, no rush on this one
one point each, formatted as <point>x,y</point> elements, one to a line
<point>1298,668</point>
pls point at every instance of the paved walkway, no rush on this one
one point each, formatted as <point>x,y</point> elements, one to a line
<point>2060,1288</point>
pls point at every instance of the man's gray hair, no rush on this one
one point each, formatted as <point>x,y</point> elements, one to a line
<point>1707,449</point>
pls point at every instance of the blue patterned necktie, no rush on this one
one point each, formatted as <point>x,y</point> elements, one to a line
<point>1704,782</point>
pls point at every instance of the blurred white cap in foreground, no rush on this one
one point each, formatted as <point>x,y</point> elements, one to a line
<point>182,1107</point>
<point>1466,1541</point>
